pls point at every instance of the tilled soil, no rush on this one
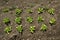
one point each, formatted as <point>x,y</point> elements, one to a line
<point>53,32</point>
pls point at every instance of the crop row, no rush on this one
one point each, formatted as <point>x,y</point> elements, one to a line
<point>19,28</point>
<point>39,10</point>
<point>29,19</point>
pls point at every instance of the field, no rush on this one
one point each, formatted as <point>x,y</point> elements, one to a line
<point>52,32</point>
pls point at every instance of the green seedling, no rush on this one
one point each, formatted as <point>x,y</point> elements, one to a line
<point>18,20</point>
<point>18,11</point>
<point>40,19</point>
<point>51,11</point>
<point>6,0</point>
<point>8,29</point>
<point>40,10</point>
<point>29,11</point>
<point>5,10</point>
<point>46,8</point>
<point>32,29</point>
<point>43,27</point>
<point>12,7</point>
<point>6,20</point>
<point>19,28</point>
<point>30,19</point>
<point>52,21</point>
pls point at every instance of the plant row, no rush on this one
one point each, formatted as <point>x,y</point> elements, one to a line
<point>40,10</point>
<point>29,19</point>
<point>19,28</point>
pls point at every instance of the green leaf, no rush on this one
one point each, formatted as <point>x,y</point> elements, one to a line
<point>32,29</point>
<point>6,20</point>
<point>30,19</point>
<point>5,10</point>
<point>52,21</point>
<point>19,28</point>
<point>40,10</point>
<point>13,7</point>
<point>29,11</point>
<point>18,11</point>
<point>8,29</point>
<point>18,20</point>
<point>40,19</point>
<point>43,27</point>
<point>51,11</point>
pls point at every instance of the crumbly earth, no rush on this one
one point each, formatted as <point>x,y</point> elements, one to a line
<point>53,32</point>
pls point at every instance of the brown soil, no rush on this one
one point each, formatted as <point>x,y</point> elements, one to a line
<point>53,32</point>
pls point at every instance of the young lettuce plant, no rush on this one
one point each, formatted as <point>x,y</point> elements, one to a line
<point>52,21</point>
<point>46,8</point>
<point>12,7</point>
<point>30,19</point>
<point>5,10</point>
<point>19,28</point>
<point>40,19</point>
<point>51,11</point>
<point>29,10</point>
<point>40,10</point>
<point>6,20</point>
<point>18,20</point>
<point>32,29</point>
<point>6,0</point>
<point>18,11</point>
<point>43,27</point>
<point>8,29</point>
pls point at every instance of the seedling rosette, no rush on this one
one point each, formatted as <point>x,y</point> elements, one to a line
<point>46,8</point>
<point>6,0</point>
<point>40,19</point>
<point>51,11</point>
<point>29,11</point>
<point>30,19</point>
<point>6,20</point>
<point>8,29</point>
<point>18,11</point>
<point>52,21</point>
<point>5,10</point>
<point>12,7</point>
<point>32,29</point>
<point>40,10</point>
<point>18,20</point>
<point>19,28</point>
<point>43,27</point>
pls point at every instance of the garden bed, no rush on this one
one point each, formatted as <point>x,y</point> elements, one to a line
<point>28,20</point>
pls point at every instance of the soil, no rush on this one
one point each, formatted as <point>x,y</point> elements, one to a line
<point>53,32</point>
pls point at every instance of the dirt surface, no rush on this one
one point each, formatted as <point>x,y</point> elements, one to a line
<point>53,32</point>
